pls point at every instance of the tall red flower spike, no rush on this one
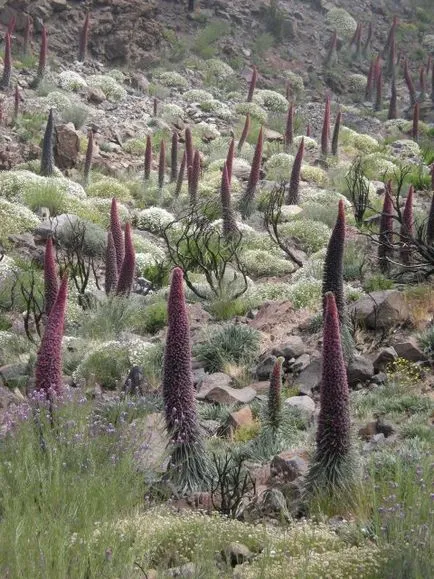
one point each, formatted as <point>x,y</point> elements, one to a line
<point>181,173</point>
<point>294,182</point>
<point>194,176</point>
<point>325,135</point>
<point>7,64</point>
<point>430,224</point>
<point>178,390</point>
<point>274,410</point>
<point>174,158</point>
<point>385,249</point>
<point>89,157</point>
<point>189,147</point>
<point>393,110</point>
<point>161,164</point>
<point>128,269</point>
<point>415,126</point>
<point>111,266</point>
<point>252,84</point>
<point>229,221</point>
<point>379,93</point>
<point>245,132</point>
<point>407,227</point>
<point>289,130</point>
<point>332,56</point>
<point>230,159</point>
<point>333,279</point>
<point>51,283</point>
<point>148,158</point>
<point>335,138</point>
<point>28,35</point>
<point>84,39</point>
<point>247,200</point>
<point>48,372</point>
<point>42,54</point>
<point>409,83</point>
<point>118,236</point>
<point>370,81</point>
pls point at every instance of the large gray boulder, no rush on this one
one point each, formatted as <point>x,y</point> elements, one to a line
<point>380,310</point>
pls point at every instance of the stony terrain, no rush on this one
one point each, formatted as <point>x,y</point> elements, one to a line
<point>87,477</point>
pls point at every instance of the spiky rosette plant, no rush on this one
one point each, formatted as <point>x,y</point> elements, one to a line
<point>84,39</point>
<point>128,269</point>
<point>248,197</point>
<point>111,267</point>
<point>51,283</point>
<point>332,55</point>
<point>230,159</point>
<point>292,197</point>
<point>379,93</point>
<point>409,83</point>
<point>193,178</point>
<point>325,134</point>
<point>332,469</point>
<point>407,227</point>
<point>89,158</point>
<point>245,132</point>
<point>28,36</point>
<point>333,278</point>
<point>336,129</point>
<point>161,164</point>
<point>47,159</point>
<point>187,468</point>
<point>181,174</point>
<point>289,130</point>
<point>148,158</point>
<point>118,236</point>
<point>229,222</point>
<point>274,406</point>
<point>48,371</point>
<point>42,59</point>
<point>7,64</point>
<point>385,238</point>
<point>189,147</point>
<point>174,158</point>
<point>415,125</point>
<point>393,107</point>
<point>252,84</point>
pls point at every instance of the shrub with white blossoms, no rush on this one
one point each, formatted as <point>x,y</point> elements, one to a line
<point>357,83</point>
<point>310,235</point>
<point>56,100</point>
<point>197,95</point>
<point>377,167</point>
<point>109,187</point>
<point>205,131</point>
<point>305,293</point>
<point>271,100</point>
<point>279,166</point>
<point>309,143</point>
<point>153,219</point>
<point>365,143</point>
<point>341,21</point>
<point>172,79</point>
<point>428,42</point>
<point>15,218</point>
<point>112,89</point>
<point>405,149</point>
<point>103,206</point>
<point>135,146</point>
<point>117,74</point>
<point>259,263</point>
<point>256,112</point>
<point>172,113</point>
<point>295,82</point>
<point>71,81</point>
<point>313,268</point>
<point>313,174</point>
<point>217,108</point>
<point>13,184</point>
<point>144,261</point>
<point>218,69</point>
<point>7,266</point>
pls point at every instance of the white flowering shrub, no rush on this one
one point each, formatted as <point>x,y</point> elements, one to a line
<point>377,167</point>
<point>7,266</point>
<point>71,81</point>
<point>153,219</point>
<point>117,74</point>
<point>395,127</point>
<point>310,144</point>
<point>313,268</point>
<point>205,131</point>
<point>15,218</point>
<point>102,207</point>
<point>279,166</point>
<point>14,183</point>
<point>306,293</point>
<point>271,100</point>
<point>357,83</point>
<point>105,363</point>
<point>256,112</point>
<point>428,42</point>
<point>172,79</point>
<point>288,212</point>
<point>259,293</point>
<point>135,146</point>
<point>144,261</point>
<point>217,108</point>
<point>310,235</point>
<point>171,113</point>
<point>218,69</point>
<point>313,174</point>
<point>112,89</point>
<point>144,245</point>
<point>56,100</point>
<point>405,149</point>
<point>259,263</point>
<point>341,21</point>
<point>295,82</point>
<point>218,149</point>
<point>365,143</point>
<point>196,95</point>
<point>109,187</point>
